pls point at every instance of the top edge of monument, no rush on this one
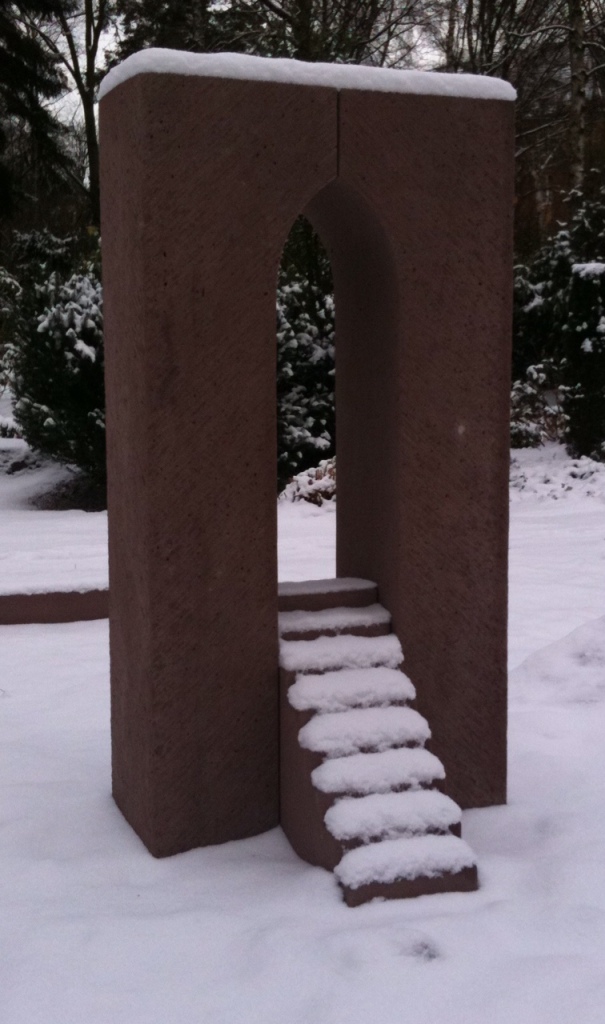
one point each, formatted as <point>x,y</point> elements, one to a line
<point>297,72</point>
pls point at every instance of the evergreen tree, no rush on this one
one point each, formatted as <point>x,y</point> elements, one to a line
<point>542,287</point>
<point>559,323</point>
<point>53,358</point>
<point>538,405</point>
<point>30,136</point>
<point>55,365</point>
<point>584,341</point>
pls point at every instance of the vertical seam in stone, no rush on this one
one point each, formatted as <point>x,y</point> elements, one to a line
<point>338,133</point>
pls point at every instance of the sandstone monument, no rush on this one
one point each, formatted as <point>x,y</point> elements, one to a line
<point>408,178</point>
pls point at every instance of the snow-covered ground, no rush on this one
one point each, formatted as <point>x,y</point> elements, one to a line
<point>557,547</point>
<point>41,551</point>
<point>93,929</point>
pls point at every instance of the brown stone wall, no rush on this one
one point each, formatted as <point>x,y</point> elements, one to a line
<point>202,179</point>
<point>53,606</point>
<point>423,296</point>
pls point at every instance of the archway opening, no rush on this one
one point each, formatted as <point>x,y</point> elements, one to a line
<point>306,420</point>
<point>305,355</point>
<point>338,259</point>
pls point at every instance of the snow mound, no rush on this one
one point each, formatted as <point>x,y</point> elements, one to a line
<point>296,72</point>
<point>386,815</point>
<point>549,472</point>
<point>337,619</point>
<point>375,729</point>
<point>569,671</point>
<point>413,857</point>
<point>349,688</point>
<point>378,773</point>
<point>545,472</point>
<point>8,427</point>
<point>587,270</point>
<point>328,653</point>
<point>317,485</point>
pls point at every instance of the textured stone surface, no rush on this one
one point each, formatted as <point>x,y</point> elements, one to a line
<point>291,598</point>
<point>419,228</point>
<point>303,806</point>
<point>405,888</point>
<point>57,606</point>
<point>201,181</point>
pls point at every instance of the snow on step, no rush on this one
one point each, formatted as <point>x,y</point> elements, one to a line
<point>339,584</point>
<point>405,858</point>
<point>378,773</point>
<point>337,619</point>
<point>349,688</point>
<point>349,732</point>
<point>328,653</point>
<point>386,815</point>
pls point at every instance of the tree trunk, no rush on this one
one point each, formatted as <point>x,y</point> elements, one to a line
<point>577,109</point>
<point>92,144</point>
<point>88,104</point>
<point>451,48</point>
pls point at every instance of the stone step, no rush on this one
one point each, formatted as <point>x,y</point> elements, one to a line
<point>404,867</point>
<point>338,734</point>
<point>351,688</point>
<point>357,792</point>
<point>388,771</point>
<point>380,816</point>
<point>331,653</point>
<point>317,595</point>
<point>369,620</point>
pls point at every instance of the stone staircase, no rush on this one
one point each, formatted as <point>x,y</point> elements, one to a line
<point>359,789</point>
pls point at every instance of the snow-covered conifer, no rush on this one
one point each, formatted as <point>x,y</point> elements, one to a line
<point>558,335</point>
<point>55,364</point>
<point>584,336</point>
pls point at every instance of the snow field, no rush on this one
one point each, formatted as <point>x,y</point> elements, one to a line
<point>95,930</point>
<point>48,551</point>
<point>41,551</point>
<point>386,815</point>
<point>45,551</point>
<point>337,691</point>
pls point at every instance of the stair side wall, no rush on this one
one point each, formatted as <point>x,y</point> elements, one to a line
<point>421,245</point>
<point>302,807</point>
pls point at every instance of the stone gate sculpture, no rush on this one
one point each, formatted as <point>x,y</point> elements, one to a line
<point>408,178</point>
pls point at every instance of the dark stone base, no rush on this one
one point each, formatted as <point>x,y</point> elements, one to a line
<point>58,606</point>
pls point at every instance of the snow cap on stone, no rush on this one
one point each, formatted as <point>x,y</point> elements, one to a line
<point>297,72</point>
